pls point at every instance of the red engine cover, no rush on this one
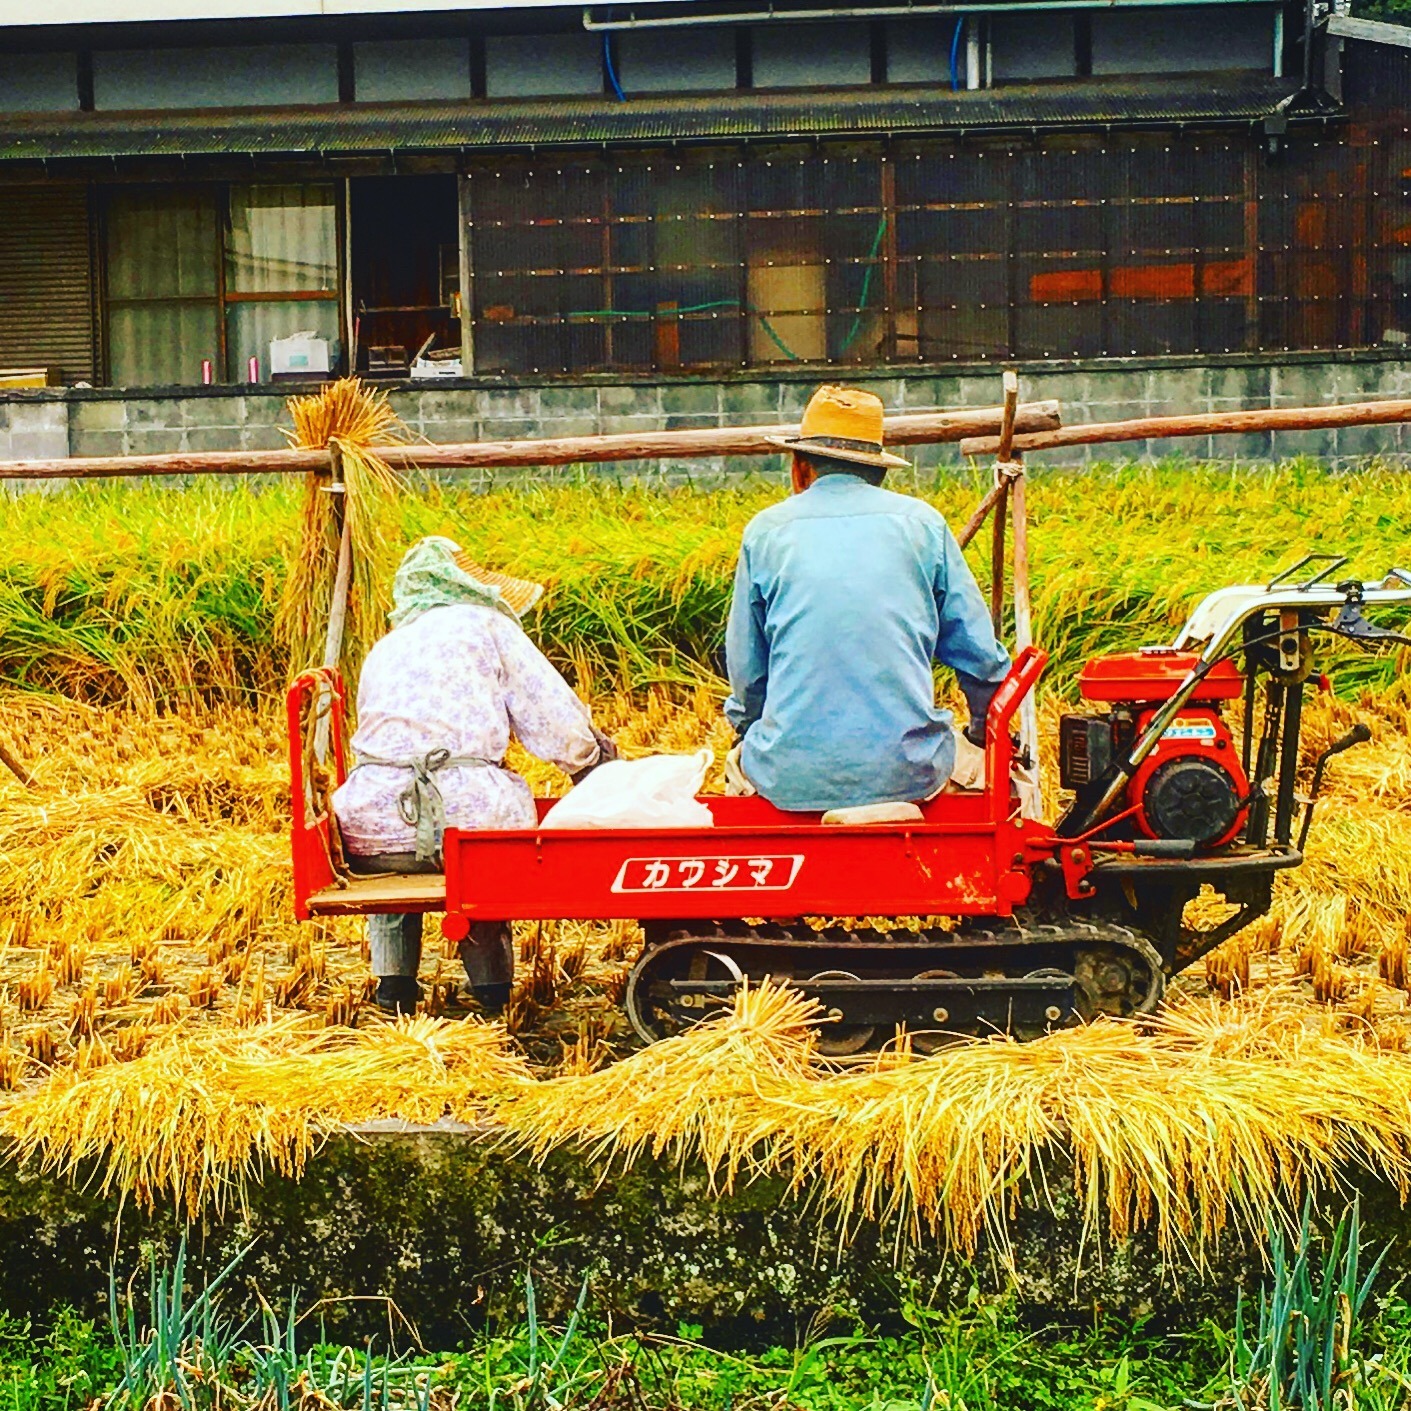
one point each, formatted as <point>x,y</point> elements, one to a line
<point>1152,675</point>
<point>1197,733</point>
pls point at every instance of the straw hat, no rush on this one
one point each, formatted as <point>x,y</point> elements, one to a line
<point>845,424</point>
<point>519,593</point>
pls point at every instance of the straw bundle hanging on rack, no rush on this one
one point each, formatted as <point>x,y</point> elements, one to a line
<point>349,419</point>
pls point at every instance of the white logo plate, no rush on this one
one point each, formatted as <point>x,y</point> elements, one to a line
<point>737,873</point>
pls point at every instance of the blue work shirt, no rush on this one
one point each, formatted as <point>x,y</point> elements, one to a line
<point>844,595</point>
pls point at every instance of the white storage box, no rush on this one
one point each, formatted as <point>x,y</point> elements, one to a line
<point>436,367</point>
<point>300,352</point>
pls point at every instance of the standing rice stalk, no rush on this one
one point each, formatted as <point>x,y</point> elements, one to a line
<point>347,415</point>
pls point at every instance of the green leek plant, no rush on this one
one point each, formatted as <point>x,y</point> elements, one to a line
<point>1304,1347</point>
<point>183,1345</point>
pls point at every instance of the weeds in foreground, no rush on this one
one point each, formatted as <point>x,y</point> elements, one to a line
<point>1317,1344</point>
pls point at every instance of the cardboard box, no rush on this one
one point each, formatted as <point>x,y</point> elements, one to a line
<point>299,353</point>
<point>13,377</point>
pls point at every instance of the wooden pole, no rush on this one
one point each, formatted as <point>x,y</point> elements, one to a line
<point>343,574</point>
<point>1009,498</point>
<point>338,602</point>
<point>913,429</point>
<point>15,767</point>
<point>1006,441</point>
<point>997,557</point>
<point>1201,424</point>
<point>993,496</point>
<point>1009,414</point>
<point>1030,794</point>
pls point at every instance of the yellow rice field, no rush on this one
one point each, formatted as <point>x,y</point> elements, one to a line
<point>163,1015</point>
<point>160,1010</point>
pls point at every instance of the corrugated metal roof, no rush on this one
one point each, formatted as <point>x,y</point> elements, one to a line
<point>569,122</point>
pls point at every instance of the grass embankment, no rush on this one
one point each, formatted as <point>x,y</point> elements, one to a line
<point>136,594</point>
<point>1318,1338</point>
<point>162,1013</point>
<point>982,1358</point>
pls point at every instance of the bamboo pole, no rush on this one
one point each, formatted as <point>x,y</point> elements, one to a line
<point>912,429</point>
<point>1199,424</point>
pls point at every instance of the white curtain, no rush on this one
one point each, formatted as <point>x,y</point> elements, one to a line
<point>163,314</point>
<point>282,240</point>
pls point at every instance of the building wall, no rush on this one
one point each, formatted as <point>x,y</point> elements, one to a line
<point>236,76</point>
<point>38,83</point>
<point>97,423</point>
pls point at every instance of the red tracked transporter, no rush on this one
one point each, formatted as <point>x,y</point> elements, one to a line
<point>1024,926</point>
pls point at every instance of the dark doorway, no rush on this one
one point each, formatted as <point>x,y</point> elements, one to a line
<point>405,269</point>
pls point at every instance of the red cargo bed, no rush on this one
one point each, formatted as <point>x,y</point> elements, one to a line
<point>969,855</point>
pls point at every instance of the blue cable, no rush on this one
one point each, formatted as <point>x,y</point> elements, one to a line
<point>954,55</point>
<point>612,68</point>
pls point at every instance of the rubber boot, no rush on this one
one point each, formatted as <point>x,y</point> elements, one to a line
<point>488,956</point>
<point>397,994</point>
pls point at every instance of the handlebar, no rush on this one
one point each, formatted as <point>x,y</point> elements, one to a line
<point>1182,848</point>
<point>1028,667</point>
<point>999,749</point>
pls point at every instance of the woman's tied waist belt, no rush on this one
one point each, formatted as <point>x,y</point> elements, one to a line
<point>420,803</point>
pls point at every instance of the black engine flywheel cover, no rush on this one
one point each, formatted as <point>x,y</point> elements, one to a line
<point>1191,798</point>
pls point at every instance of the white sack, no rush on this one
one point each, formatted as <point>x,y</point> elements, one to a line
<point>656,792</point>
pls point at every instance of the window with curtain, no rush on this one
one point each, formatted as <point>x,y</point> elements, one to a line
<point>281,269</point>
<point>163,285</point>
<point>216,273</point>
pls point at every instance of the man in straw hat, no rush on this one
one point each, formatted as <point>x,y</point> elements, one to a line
<point>844,595</point>
<point>438,698</point>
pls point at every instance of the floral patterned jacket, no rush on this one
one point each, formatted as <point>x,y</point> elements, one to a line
<point>459,678</point>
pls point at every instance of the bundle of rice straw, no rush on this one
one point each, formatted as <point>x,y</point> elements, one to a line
<point>357,420</point>
<point>203,1112</point>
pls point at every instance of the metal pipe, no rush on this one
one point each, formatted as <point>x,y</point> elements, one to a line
<point>893,12</point>
<point>1279,42</point>
<point>1288,765</point>
<point>1308,44</point>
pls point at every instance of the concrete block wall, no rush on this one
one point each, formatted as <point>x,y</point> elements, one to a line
<point>33,430</point>
<point>105,423</point>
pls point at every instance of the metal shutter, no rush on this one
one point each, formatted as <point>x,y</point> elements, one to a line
<point>46,280</point>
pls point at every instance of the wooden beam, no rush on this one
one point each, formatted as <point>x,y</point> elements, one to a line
<point>914,429</point>
<point>12,763</point>
<point>1201,424</point>
<point>169,463</point>
<point>1373,31</point>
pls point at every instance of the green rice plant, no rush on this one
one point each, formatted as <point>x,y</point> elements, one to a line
<point>145,593</point>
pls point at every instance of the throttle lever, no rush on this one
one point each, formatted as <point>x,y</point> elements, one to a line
<point>1351,622</point>
<point>1360,733</point>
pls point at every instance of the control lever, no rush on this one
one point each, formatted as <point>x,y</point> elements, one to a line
<point>1352,623</point>
<point>1358,735</point>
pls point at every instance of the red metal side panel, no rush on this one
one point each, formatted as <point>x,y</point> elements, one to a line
<point>309,834</point>
<point>727,872</point>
